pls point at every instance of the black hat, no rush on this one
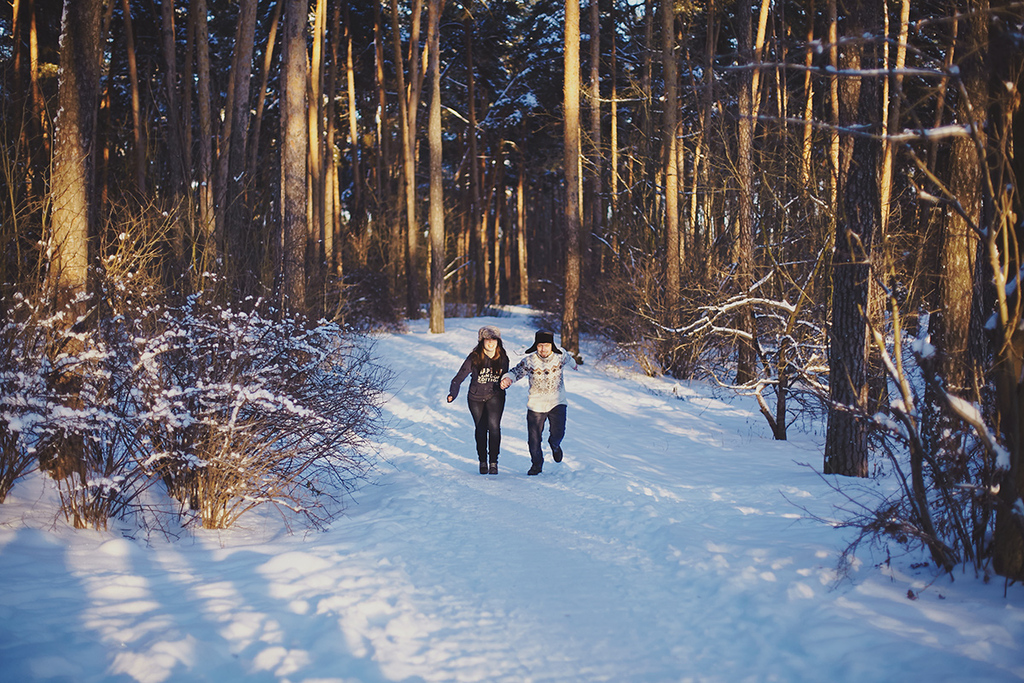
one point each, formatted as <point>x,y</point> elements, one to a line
<point>543,337</point>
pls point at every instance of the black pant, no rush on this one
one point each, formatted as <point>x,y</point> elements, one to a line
<point>487,418</point>
<point>535,430</point>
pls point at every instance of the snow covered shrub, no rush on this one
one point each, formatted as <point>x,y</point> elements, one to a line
<point>947,489</point>
<point>61,408</point>
<point>240,410</point>
<point>22,392</point>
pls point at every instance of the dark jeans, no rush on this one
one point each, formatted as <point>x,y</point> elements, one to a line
<point>487,418</point>
<point>535,428</point>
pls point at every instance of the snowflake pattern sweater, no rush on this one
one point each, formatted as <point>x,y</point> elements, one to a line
<point>547,386</point>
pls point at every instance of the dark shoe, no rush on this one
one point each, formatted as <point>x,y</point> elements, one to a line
<point>534,470</point>
<point>483,467</point>
<point>556,453</point>
<point>494,468</point>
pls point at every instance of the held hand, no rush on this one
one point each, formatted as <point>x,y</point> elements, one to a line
<point>450,398</point>
<point>505,383</point>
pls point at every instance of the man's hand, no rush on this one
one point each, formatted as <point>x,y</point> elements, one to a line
<point>505,382</point>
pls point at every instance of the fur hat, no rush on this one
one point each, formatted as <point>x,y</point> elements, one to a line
<point>543,337</point>
<point>488,332</point>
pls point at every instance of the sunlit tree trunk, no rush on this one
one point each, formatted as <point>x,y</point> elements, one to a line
<point>571,134</point>
<point>408,104</point>
<point>358,211</point>
<point>437,250</point>
<point>315,164</point>
<point>332,161</point>
<point>808,116</point>
<point>746,357</point>
<point>294,153</point>
<point>593,208</point>
<point>71,179</point>
<point>524,274</point>
<point>669,154</point>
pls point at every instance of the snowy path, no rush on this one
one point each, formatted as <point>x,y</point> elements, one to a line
<point>662,549</point>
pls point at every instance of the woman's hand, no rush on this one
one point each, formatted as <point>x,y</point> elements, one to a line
<point>450,398</point>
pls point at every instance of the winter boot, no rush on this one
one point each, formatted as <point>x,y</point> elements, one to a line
<point>483,467</point>
<point>535,469</point>
<point>556,453</point>
<point>494,468</point>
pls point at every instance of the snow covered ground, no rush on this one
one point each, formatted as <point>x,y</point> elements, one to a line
<point>670,545</point>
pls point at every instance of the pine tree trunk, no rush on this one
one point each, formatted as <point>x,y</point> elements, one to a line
<point>476,245</point>
<point>846,450</point>
<point>593,205</point>
<point>358,200</point>
<point>746,357</point>
<point>138,134</point>
<point>205,180</point>
<point>571,133</point>
<point>71,179</point>
<point>437,250</point>
<point>294,152</point>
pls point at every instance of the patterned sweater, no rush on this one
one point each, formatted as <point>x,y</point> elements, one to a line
<point>547,387</point>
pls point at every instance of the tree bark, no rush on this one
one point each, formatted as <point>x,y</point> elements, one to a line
<point>571,135</point>
<point>746,357</point>
<point>174,143</point>
<point>593,205</point>
<point>138,134</point>
<point>261,95</point>
<point>524,273</point>
<point>294,153</point>
<point>71,179</point>
<point>205,180</point>
<point>477,246</point>
<point>358,200</point>
<point>846,451</point>
<point>437,250</point>
<point>669,154</point>
<point>231,212</point>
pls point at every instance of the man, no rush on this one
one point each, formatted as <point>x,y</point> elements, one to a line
<point>547,400</point>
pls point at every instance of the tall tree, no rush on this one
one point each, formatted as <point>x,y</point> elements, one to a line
<point>294,150</point>
<point>593,204</point>
<point>846,449</point>
<point>231,206</point>
<point>437,251</point>
<point>670,153</point>
<point>477,238</point>
<point>71,180</point>
<point>205,180</point>
<point>138,132</point>
<point>744,246</point>
<point>571,164</point>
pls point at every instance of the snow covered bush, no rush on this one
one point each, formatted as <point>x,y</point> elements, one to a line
<point>62,410</point>
<point>22,392</point>
<point>240,409</point>
<point>223,409</point>
<point>945,491</point>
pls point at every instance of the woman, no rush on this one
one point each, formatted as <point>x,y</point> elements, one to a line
<point>487,363</point>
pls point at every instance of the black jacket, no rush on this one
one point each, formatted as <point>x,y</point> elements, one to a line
<point>485,378</point>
